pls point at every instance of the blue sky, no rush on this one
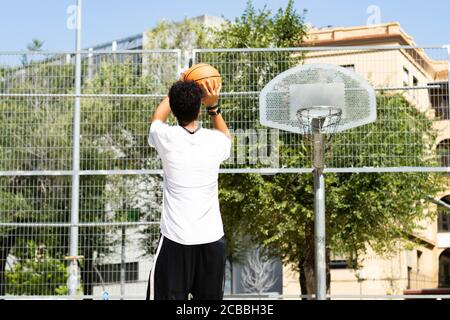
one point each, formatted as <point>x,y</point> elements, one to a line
<point>105,20</point>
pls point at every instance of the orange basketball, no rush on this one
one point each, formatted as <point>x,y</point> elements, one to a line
<point>202,71</point>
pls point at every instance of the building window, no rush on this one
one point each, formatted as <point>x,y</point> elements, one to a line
<point>111,272</point>
<point>419,260</point>
<point>439,99</point>
<point>444,221</point>
<point>405,77</point>
<point>443,152</point>
<point>408,286</point>
<point>444,269</point>
<point>444,216</point>
<point>415,84</point>
<point>350,67</point>
<point>340,262</point>
<point>444,106</point>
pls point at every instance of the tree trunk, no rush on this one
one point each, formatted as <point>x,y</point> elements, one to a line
<point>308,286</point>
<point>328,271</point>
<point>302,277</point>
<point>306,264</point>
<point>231,277</point>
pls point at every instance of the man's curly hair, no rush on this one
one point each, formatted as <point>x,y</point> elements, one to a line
<point>185,98</point>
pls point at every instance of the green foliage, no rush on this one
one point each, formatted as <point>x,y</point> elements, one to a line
<point>260,29</point>
<point>37,275</point>
<point>36,134</point>
<point>14,208</point>
<point>363,210</point>
<point>35,45</point>
<point>400,137</point>
<point>115,133</point>
<point>187,34</point>
<point>377,209</point>
<point>114,130</point>
<point>29,129</point>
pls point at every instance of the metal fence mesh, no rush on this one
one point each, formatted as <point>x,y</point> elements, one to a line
<point>120,191</point>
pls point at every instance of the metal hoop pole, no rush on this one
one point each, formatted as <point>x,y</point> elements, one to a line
<point>319,217</point>
<point>448,81</point>
<point>74,215</point>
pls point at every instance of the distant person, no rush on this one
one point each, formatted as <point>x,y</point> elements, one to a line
<point>191,255</point>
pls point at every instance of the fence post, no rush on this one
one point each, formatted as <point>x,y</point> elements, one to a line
<point>448,76</point>
<point>320,264</point>
<point>74,216</point>
<point>90,64</point>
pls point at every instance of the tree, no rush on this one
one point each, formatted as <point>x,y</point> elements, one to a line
<point>261,29</point>
<point>184,35</point>
<point>37,274</point>
<point>118,140</point>
<point>28,143</point>
<point>376,210</point>
<point>362,209</point>
<point>113,136</point>
<point>34,46</point>
<point>257,29</point>
<point>369,209</point>
<point>44,142</point>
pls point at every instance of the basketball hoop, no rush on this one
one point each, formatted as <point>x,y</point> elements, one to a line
<point>318,100</point>
<point>319,123</point>
<point>319,119</point>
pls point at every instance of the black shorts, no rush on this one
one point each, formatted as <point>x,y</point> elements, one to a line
<point>179,270</point>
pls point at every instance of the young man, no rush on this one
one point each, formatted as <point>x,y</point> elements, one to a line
<point>190,259</point>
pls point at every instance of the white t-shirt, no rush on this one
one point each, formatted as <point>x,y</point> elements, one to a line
<point>190,213</point>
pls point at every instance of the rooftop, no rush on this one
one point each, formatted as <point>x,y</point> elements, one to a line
<point>390,33</point>
<point>359,35</point>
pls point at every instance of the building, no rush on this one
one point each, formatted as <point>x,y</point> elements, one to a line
<point>424,83</point>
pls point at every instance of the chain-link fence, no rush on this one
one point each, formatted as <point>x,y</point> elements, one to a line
<point>411,130</point>
<point>119,190</point>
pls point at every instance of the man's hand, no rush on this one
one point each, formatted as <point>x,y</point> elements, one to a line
<point>211,96</point>
<point>211,91</point>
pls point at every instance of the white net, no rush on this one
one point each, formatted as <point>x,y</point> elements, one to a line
<point>319,119</point>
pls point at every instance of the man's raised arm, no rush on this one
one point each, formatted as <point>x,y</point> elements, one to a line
<point>162,111</point>
<point>212,91</point>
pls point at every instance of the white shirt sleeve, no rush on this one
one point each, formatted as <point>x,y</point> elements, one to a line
<point>157,134</point>
<point>225,146</point>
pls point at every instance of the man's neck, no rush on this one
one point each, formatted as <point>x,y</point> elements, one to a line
<point>192,126</point>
